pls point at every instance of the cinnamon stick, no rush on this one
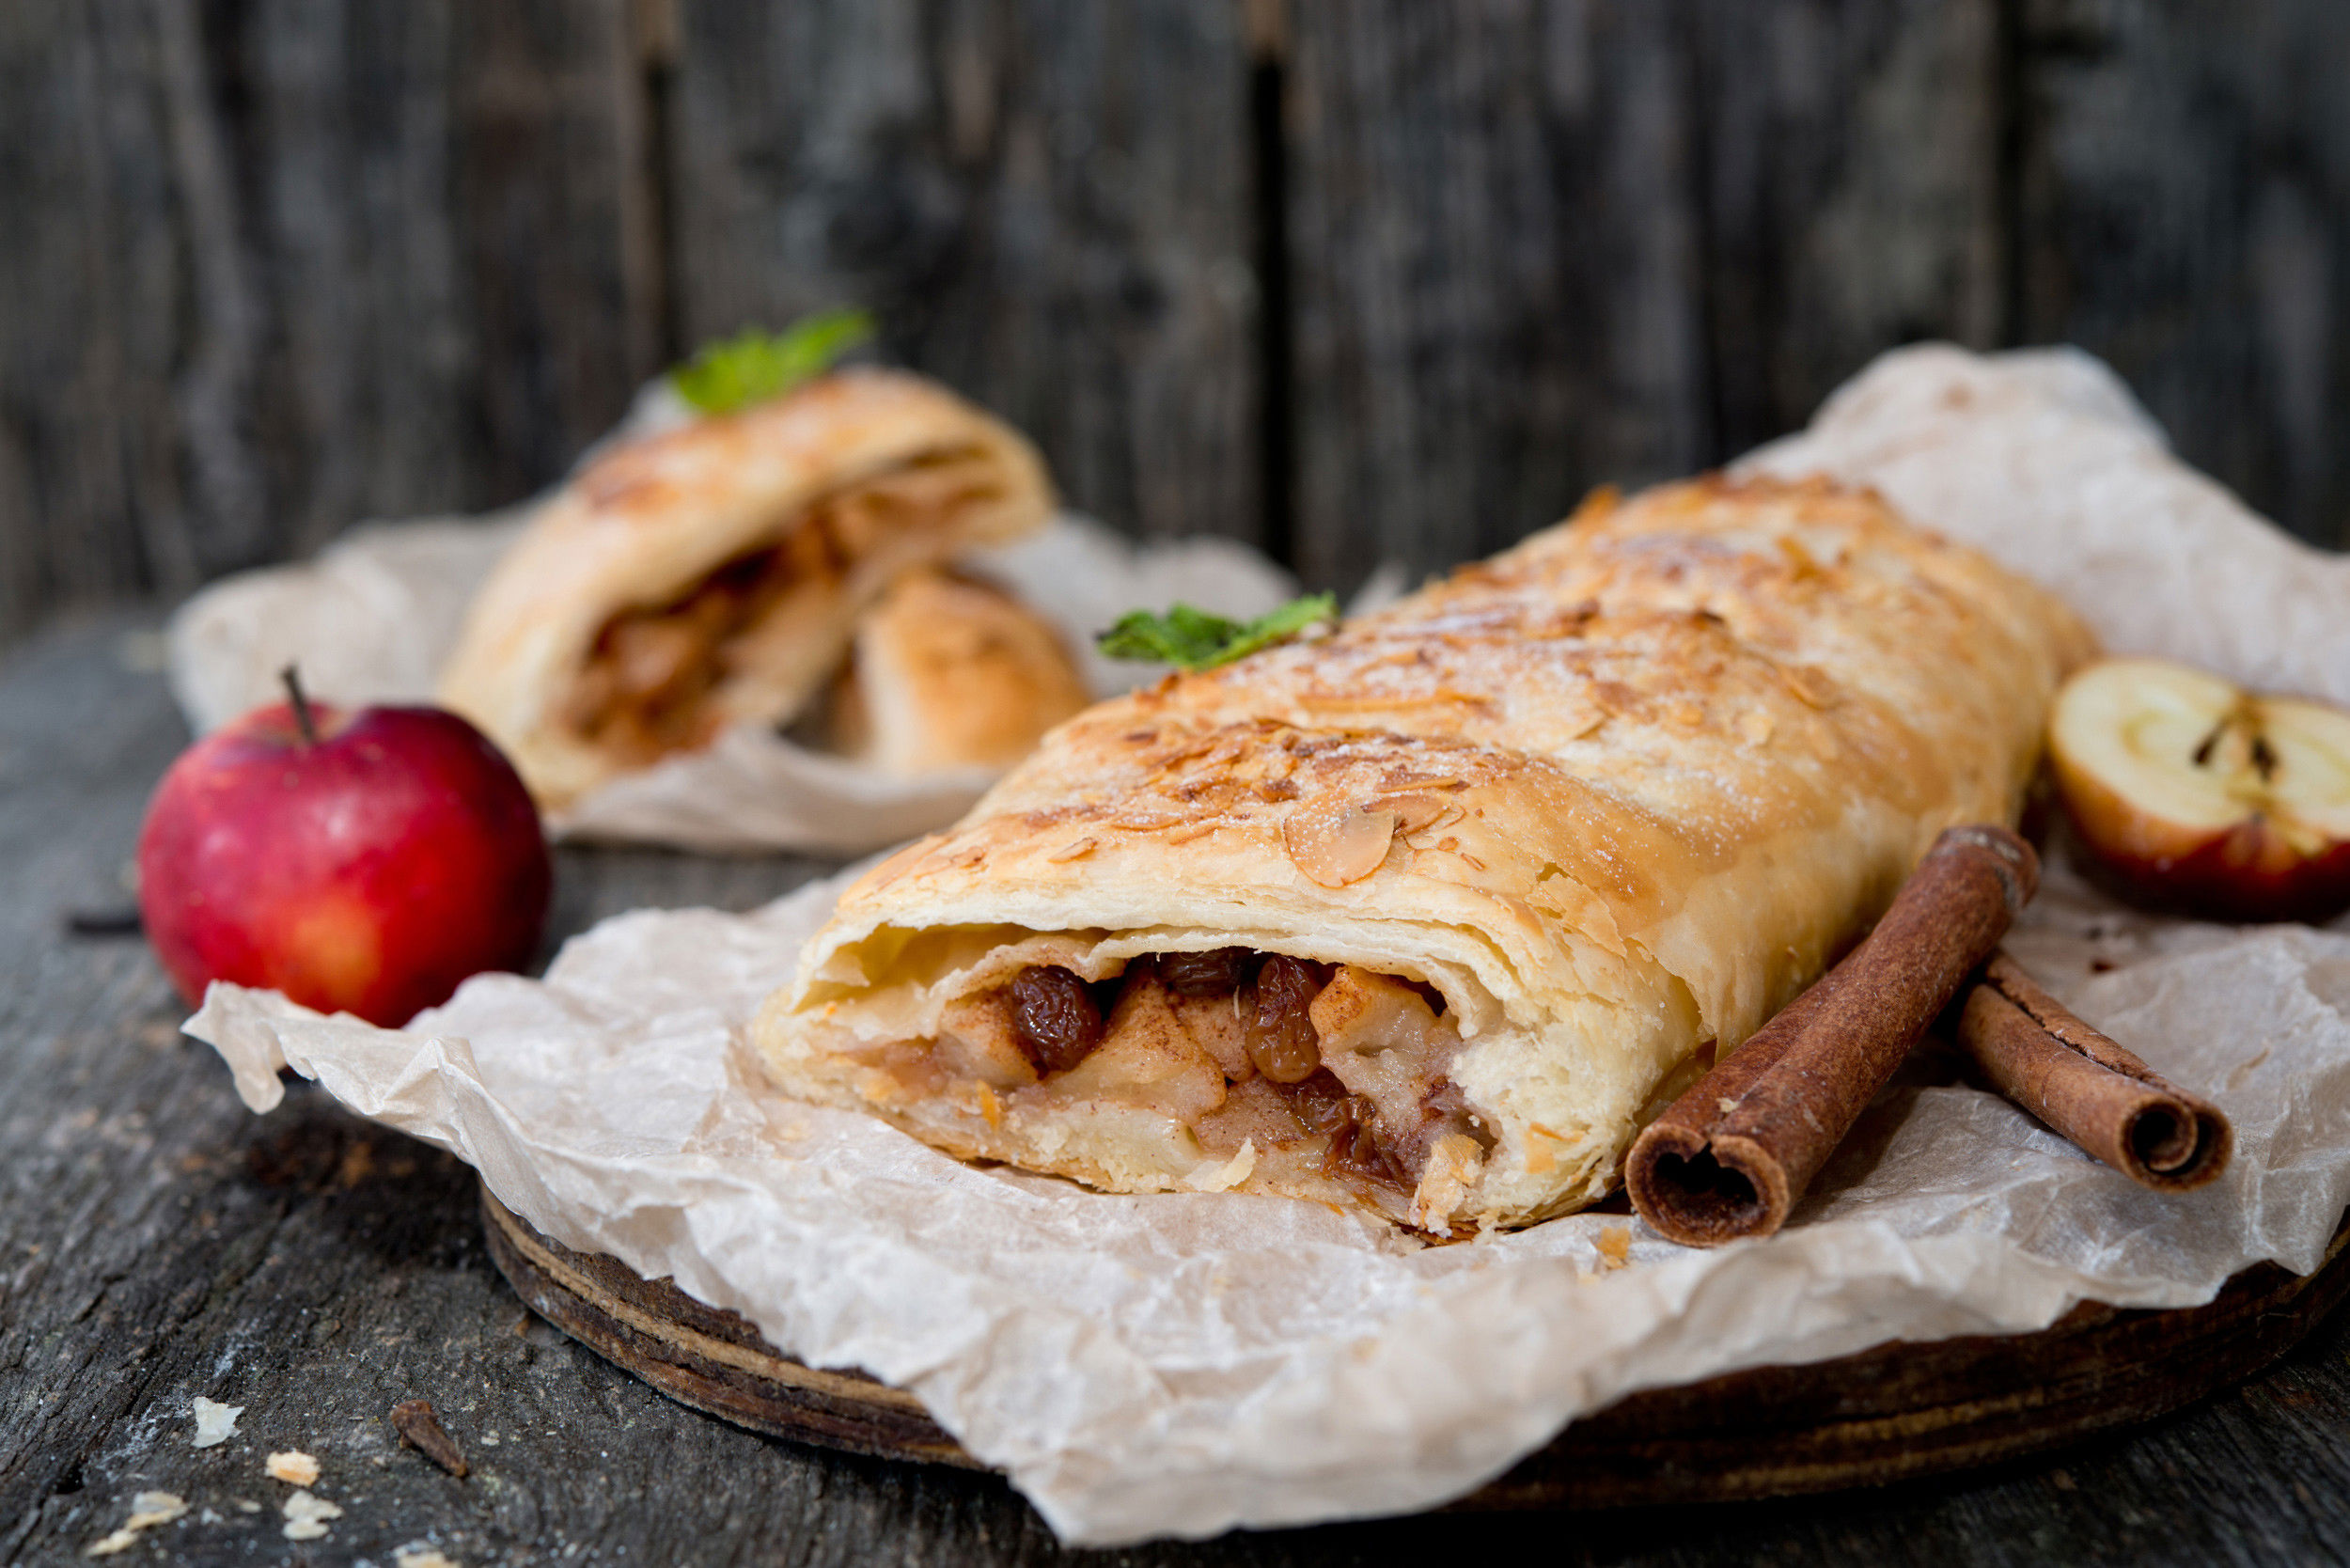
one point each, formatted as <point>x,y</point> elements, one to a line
<point>2081,1084</point>
<point>1730,1157</point>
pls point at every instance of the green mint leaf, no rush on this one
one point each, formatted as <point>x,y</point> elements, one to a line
<point>753,365</point>
<point>1192,638</point>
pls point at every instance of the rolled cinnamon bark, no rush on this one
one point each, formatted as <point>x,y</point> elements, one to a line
<point>2111,1105</point>
<point>1730,1158</point>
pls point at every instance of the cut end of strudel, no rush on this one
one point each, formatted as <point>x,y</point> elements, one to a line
<point>1429,917</point>
<point>713,576</point>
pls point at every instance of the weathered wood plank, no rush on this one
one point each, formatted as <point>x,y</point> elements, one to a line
<point>1539,247</point>
<point>271,267</point>
<point>1852,192</point>
<point>2184,211</point>
<point>1045,201</point>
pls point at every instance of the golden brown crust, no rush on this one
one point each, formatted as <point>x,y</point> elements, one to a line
<point>1618,793</point>
<point>950,673</point>
<point>711,575</point>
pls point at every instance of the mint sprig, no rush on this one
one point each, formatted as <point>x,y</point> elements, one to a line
<point>1195,640</point>
<point>753,364</point>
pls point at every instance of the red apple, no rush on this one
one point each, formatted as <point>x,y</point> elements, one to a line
<point>359,862</point>
<point>2193,794</point>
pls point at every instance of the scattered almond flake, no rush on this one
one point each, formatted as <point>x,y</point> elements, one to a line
<point>1211,1176</point>
<point>1615,1246</point>
<point>1335,842</point>
<point>295,1466</point>
<point>1197,830</point>
<point>1474,864</point>
<point>1756,725</point>
<point>306,1516</point>
<point>244,1506</point>
<point>147,1510</point>
<point>422,1557</point>
<point>1725,1104</point>
<point>216,1423</point>
<point>489,1439</point>
<point>1077,849</point>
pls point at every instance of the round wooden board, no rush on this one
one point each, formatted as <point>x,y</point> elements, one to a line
<point>1897,1411</point>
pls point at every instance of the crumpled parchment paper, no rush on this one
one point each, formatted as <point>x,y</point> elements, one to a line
<point>374,616</point>
<point>1180,1364</point>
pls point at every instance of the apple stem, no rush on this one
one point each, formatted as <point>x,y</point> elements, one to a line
<point>303,721</point>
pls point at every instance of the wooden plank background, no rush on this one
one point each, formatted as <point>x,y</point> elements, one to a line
<point>1352,279</point>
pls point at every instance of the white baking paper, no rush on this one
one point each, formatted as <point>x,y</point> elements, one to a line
<point>374,616</point>
<point>1180,1364</point>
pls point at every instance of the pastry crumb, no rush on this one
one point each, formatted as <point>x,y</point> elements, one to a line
<point>1615,1246</point>
<point>216,1423</point>
<point>306,1516</point>
<point>422,1557</point>
<point>1211,1176</point>
<point>147,1510</point>
<point>1725,1104</point>
<point>295,1466</point>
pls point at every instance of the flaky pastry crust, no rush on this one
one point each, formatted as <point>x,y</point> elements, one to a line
<point>1617,795</point>
<point>950,673</point>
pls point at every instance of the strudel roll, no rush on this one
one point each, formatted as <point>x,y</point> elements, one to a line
<point>1430,915</point>
<point>713,576</point>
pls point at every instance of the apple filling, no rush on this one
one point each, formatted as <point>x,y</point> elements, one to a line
<point>667,677</point>
<point>1292,1067</point>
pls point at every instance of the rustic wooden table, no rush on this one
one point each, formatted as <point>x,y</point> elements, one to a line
<point>157,1243</point>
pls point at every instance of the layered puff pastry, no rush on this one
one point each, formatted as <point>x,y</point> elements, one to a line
<point>947,673</point>
<point>712,575</point>
<point>1428,917</point>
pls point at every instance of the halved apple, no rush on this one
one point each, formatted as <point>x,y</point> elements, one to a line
<point>2195,795</point>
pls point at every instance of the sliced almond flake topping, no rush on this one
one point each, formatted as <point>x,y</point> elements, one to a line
<point>1145,822</point>
<point>1756,725</point>
<point>1336,842</point>
<point>1197,830</point>
<point>1417,812</point>
<point>1077,849</point>
<point>1810,687</point>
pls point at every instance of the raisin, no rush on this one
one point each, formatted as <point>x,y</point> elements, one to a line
<point>1054,1017</point>
<point>1318,1101</point>
<point>1322,1105</point>
<point>1214,973</point>
<point>1280,1030</point>
<point>1355,1150</point>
